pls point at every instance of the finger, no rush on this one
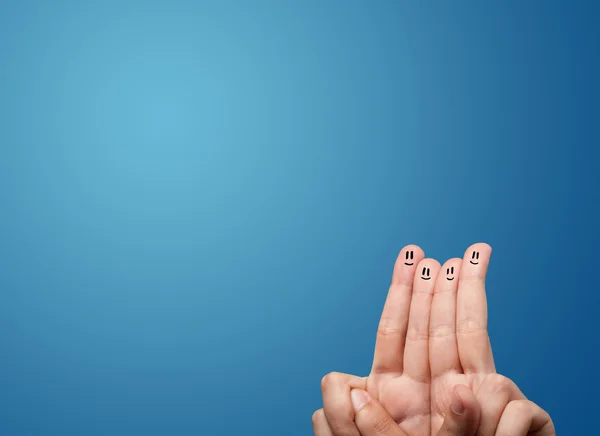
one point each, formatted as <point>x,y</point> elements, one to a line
<point>337,405</point>
<point>371,418</point>
<point>416,350</point>
<point>495,393</point>
<point>523,417</point>
<point>474,347</point>
<point>462,418</point>
<point>391,334</point>
<point>320,425</point>
<point>443,347</point>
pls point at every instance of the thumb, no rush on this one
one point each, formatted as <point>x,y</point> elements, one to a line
<point>371,418</point>
<point>462,418</point>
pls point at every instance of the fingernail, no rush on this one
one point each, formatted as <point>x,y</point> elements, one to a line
<point>359,399</point>
<point>457,405</point>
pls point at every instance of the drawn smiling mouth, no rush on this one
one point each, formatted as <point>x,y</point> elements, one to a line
<point>474,263</point>
<point>408,264</point>
<point>426,278</point>
<point>450,278</point>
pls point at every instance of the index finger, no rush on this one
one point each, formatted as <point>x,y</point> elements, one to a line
<point>474,347</point>
<point>391,333</point>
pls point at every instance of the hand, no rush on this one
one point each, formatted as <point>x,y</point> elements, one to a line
<point>432,352</point>
<point>520,418</point>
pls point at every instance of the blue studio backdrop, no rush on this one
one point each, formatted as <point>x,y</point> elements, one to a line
<point>201,201</point>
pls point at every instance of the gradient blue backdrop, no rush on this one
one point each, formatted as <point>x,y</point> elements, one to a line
<point>201,201</point>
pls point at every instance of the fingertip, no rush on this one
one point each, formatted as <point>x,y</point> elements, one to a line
<point>405,264</point>
<point>429,262</point>
<point>480,247</point>
<point>485,247</point>
<point>317,417</point>
<point>370,417</point>
<point>359,399</point>
<point>457,405</point>
<point>449,271</point>
<point>417,251</point>
<point>434,262</point>
<point>465,405</point>
<point>465,394</point>
<point>476,260</point>
<point>464,414</point>
<point>428,269</point>
<point>337,380</point>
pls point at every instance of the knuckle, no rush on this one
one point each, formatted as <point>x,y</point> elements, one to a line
<point>389,327</point>
<point>469,326</point>
<point>416,334</point>
<point>331,379</point>
<point>382,425</point>
<point>442,330</point>
<point>520,407</point>
<point>383,367</point>
<point>499,384</point>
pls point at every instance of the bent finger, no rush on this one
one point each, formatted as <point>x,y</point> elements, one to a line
<point>320,425</point>
<point>337,406</point>
<point>494,395</point>
<point>522,418</point>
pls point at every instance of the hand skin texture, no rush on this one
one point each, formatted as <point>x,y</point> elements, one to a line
<point>433,371</point>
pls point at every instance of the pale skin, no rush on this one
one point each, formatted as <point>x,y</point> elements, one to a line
<point>433,371</point>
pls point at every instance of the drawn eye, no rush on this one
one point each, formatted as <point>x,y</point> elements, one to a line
<point>449,271</point>
<point>426,275</point>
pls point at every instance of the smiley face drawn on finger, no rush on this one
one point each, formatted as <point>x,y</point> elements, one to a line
<point>426,274</point>
<point>410,255</point>
<point>475,258</point>
<point>450,274</point>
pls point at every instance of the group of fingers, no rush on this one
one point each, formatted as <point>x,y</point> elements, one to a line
<point>519,417</point>
<point>435,317</point>
<point>434,321</point>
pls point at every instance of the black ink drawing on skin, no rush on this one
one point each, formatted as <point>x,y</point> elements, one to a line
<point>475,256</point>
<point>448,272</point>
<point>425,275</point>
<point>409,254</point>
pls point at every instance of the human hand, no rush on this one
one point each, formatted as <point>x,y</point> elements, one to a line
<point>519,418</point>
<point>399,377</point>
<point>433,352</point>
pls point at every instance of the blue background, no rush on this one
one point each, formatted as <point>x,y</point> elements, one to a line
<point>201,201</point>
